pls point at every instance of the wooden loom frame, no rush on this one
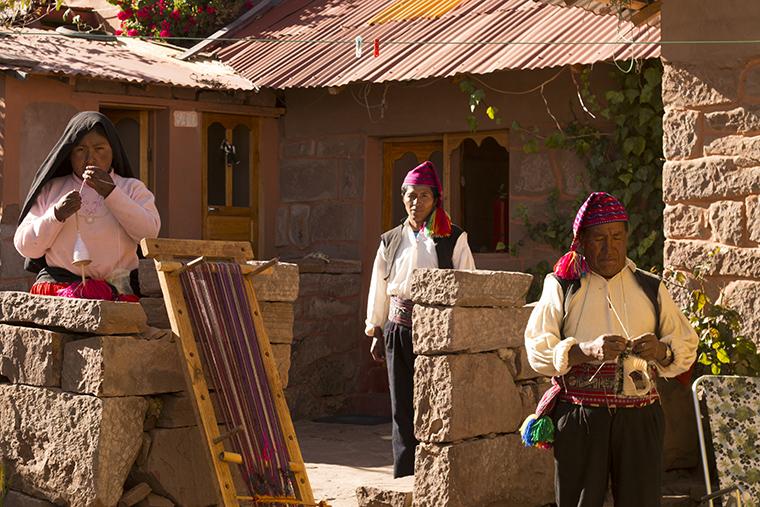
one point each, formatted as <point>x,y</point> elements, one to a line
<point>165,253</point>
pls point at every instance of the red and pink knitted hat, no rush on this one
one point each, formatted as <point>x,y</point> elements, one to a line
<point>598,208</point>
<point>439,223</point>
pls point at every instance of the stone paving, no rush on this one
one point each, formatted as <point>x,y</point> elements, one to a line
<point>341,457</point>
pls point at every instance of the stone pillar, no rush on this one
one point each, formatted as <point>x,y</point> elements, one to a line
<point>711,179</point>
<point>473,388</point>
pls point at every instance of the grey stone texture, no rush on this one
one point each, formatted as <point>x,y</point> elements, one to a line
<point>369,496</point>
<point>469,288</point>
<point>534,174</point>
<point>728,261</point>
<point>341,147</point>
<point>708,179</point>
<point>463,396</point>
<point>122,366</point>
<point>16,499</point>
<point>336,221</point>
<point>751,82</point>
<point>740,120</point>
<point>281,227</point>
<point>752,207</point>
<point>680,138</point>
<point>352,179</point>
<point>70,449</point>
<point>684,221</point>
<point>177,467</point>
<point>688,86</point>
<point>280,285</point>
<point>517,361</point>
<point>299,225</point>
<point>155,310</point>
<point>493,471</point>
<point>281,354</point>
<point>278,321</point>
<point>32,356</point>
<point>742,295</point>
<point>148,277</point>
<point>727,221</point>
<point>442,329</point>
<point>76,315</point>
<point>745,149</point>
<point>308,180</point>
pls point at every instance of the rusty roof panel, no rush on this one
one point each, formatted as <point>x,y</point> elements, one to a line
<point>126,59</point>
<point>312,41</point>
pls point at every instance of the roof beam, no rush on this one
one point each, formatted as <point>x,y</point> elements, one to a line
<point>647,13</point>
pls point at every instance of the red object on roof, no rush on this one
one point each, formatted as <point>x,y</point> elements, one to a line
<point>312,41</point>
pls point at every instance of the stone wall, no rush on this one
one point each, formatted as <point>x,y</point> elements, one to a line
<point>321,194</point>
<point>93,398</point>
<point>472,389</point>
<point>711,179</point>
<point>327,377</point>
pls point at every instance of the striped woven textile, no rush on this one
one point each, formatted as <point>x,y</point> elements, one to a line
<point>221,318</point>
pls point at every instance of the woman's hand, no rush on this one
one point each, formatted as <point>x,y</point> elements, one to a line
<point>67,205</point>
<point>99,180</point>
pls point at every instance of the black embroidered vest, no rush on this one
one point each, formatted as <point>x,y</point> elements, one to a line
<point>444,247</point>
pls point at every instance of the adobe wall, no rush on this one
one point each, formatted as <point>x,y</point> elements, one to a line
<point>711,179</point>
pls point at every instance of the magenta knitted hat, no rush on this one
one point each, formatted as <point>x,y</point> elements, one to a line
<point>439,223</point>
<point>598,208</point>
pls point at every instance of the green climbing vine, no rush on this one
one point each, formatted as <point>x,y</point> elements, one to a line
<point>625,160</point>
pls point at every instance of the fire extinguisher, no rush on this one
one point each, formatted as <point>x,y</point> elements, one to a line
<point>500,220</point>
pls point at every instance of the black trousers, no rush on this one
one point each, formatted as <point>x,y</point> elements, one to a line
<point>400,360</point>
<point>595,445</point>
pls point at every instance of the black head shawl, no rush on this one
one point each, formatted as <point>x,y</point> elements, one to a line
<point>58,164</point>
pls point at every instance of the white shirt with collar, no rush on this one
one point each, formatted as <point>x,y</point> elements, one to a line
<point>588,314</point>
<point>414,251</point>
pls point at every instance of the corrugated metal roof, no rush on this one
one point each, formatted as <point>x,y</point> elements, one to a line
<point>128,59</point>
<point>313,41</point>
<point>405,10</point>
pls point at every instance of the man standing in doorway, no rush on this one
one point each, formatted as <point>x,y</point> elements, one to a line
<point>604,330</point>
<point>426,239</point>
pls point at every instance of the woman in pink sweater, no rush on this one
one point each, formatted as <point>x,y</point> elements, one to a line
<point>86,185</point>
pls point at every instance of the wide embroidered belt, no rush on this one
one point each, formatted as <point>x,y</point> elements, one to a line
<point>401,311</point>
<point>606,386</point>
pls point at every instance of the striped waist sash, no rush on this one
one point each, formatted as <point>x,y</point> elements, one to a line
<point>401,311</point>
<point>595,386</point>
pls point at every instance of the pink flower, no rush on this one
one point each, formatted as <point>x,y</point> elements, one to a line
<point>132,32</point>
<point>118,32</point>
<point>125,14</point>
<point>191,19</point>
<point>165,24</point>
<point>165,33</point>
<point>176,14</point>
<point>143,12</point>
<point>210,9</point>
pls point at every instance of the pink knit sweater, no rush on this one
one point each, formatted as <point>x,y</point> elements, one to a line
<point>111,228</point>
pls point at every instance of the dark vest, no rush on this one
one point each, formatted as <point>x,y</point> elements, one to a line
<point>444,247</point>
<point>648,282</point>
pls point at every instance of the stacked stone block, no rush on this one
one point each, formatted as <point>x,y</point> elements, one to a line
<point>472,389</point>
<point>94,402</point>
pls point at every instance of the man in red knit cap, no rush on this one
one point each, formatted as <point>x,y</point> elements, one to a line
<point>603,330</point>
<point>426,239</point>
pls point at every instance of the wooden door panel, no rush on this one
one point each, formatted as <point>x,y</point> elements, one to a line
<point>229,228</point>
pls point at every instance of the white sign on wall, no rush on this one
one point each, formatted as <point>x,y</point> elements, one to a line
<point>185,119</point>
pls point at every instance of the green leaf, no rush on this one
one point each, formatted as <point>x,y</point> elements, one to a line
<point>723,356</point>
<point>715,369</point>
<point>615,97</point>
<point>703,359</point>
<point>491,112</point>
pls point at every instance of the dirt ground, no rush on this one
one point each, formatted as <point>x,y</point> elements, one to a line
<point>341,457</point>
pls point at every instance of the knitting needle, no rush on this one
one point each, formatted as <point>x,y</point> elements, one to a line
<point>609,301</point>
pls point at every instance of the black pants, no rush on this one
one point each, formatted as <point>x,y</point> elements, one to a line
<point>400,360</point>
<point>594,445</point>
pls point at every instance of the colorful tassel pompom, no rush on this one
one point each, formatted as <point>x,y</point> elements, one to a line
<point>439,224</point>
<point>537,432</point>
<point>571,266</point>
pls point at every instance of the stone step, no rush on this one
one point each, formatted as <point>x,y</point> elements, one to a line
<point>450,287</point>
<point>87,444</point>
<point>74,315</point>
<point>32,356</point>
<point>464,396</point>
<point>372,496</point>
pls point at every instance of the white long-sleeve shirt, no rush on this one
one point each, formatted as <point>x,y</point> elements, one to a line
<point>414,251</point>
<point>110,227</point>
<point>588,314</point>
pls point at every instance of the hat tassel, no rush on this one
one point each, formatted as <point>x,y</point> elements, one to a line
<point>439,223</point>
<point>571,266</point>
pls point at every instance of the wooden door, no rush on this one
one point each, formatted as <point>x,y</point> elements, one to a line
<point>398,159</point>
<point>230,178</point>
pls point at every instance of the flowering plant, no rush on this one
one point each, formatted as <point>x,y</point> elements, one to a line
<point>177,18</point>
